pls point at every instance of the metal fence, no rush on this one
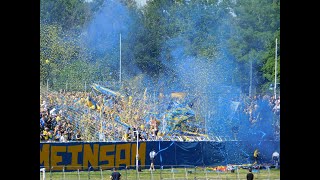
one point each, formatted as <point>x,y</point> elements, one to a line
<point>51,85</point>
<point>174,172</point>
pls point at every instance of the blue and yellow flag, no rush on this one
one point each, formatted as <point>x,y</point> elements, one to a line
<point>91,103</point>
<point>105,90</point>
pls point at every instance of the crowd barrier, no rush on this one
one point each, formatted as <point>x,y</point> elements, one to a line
<point>117,154</point>
<point>168,172</point>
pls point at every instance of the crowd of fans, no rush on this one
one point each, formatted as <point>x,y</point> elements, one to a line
<point>84,116</point>
<point>263,108</point>
<point>252,106</point>
<point>66,116</point>
<point>55,126</point>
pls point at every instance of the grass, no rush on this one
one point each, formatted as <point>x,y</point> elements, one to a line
<point>166,174</point>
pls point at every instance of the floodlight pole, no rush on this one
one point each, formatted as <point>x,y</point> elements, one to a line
<point>275,73</point>
<point>137,153</point>
<point>120,62</point>
<point>205,123</point>
<point>250,86</point>
<point>47,85</point>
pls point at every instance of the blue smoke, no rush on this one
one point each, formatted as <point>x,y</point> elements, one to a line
<point>212,78</point>
<point>197,61</point>
<point>102,37</point>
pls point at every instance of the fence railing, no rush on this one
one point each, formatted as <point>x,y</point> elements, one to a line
<point>168,138</point>
<point>143,172</point>
<point>51,85</point>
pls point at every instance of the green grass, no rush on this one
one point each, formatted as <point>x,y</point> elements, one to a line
<point>165,174</point>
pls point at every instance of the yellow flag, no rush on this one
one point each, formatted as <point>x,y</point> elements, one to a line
<point>130,101</point>
<point>179,95</point>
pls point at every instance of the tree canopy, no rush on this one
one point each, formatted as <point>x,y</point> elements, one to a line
<point>79,40</point>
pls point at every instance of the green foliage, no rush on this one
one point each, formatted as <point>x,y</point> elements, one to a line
<point>55,52</point>
<point>167,20</point>
<point>149,39</point>
<point>246,28</point>
<point>257,24</point>
<point>268,61</point>
<point>65,13</point>
<point>62,59</point>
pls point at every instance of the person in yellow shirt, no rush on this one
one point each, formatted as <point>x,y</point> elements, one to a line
<point>125,137</point>
<point>256,155</point>
<point>45,134</point>
<point>58,118</point>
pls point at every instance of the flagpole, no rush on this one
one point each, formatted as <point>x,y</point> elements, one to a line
<point>275,72</point>
<point>101,119</point>
<point>120,62</point>
<point>250,86</point>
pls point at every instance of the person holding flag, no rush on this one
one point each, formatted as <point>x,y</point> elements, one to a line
<point>256,154</point>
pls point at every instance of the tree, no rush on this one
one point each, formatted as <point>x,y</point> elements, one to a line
<point>61,57</point>
<point>68,14</point>
<point>268,67</point>
<point>256,24</point>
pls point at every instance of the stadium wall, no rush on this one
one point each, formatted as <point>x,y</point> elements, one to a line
<point>201,153</point>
